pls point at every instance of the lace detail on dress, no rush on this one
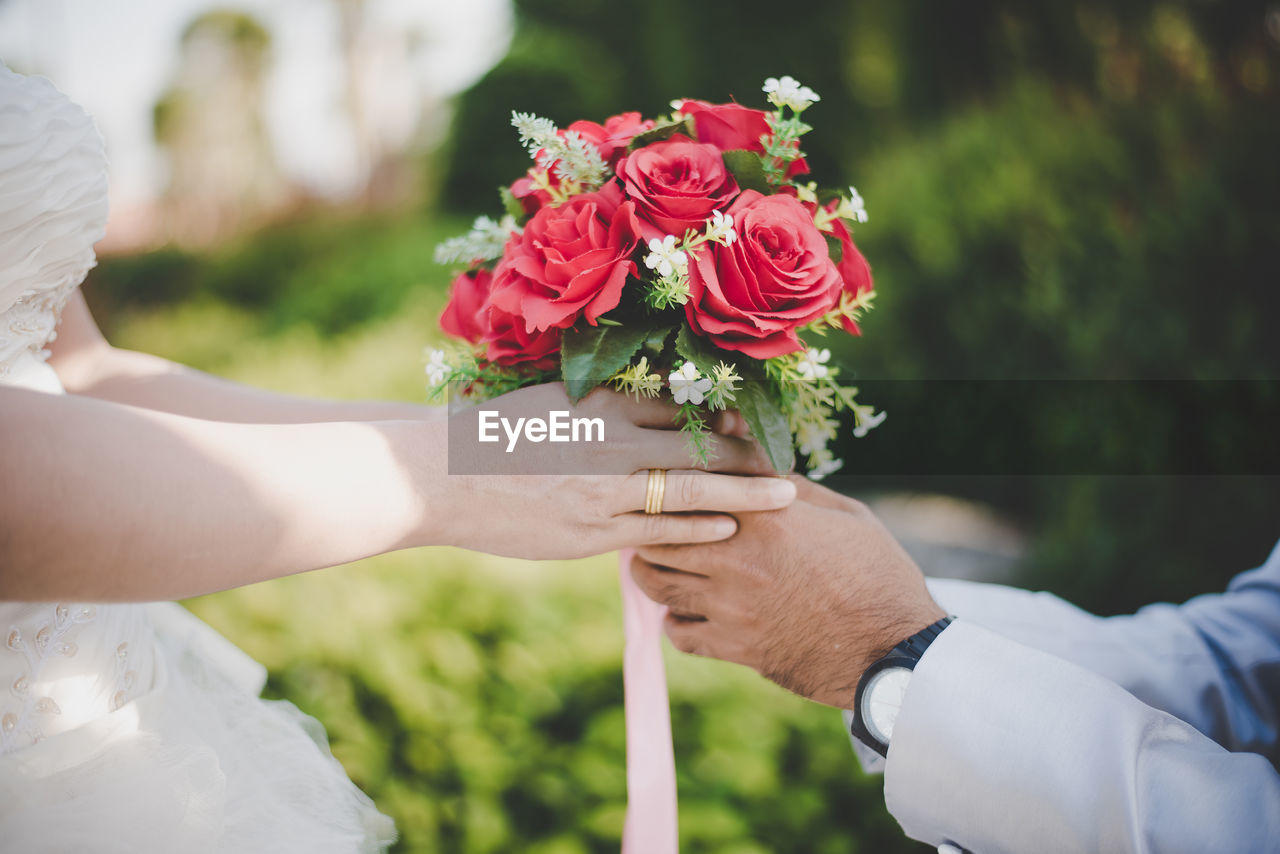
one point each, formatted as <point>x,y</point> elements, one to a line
<point>31,324</point>
<point>126,677</point>
<point>56,638</point>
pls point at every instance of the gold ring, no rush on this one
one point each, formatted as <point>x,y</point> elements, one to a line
<point>656,490</point>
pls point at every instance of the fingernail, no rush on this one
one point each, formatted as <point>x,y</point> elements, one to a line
<point>781,492</point>
<point>724,528</point>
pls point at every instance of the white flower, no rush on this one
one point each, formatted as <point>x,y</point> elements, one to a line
<point>665,258</point>
<point>812,437</point>
<point>867,423</point>
<point>437,369</point>
<point>787,92</point>
<point>720,228</point>
<point>825,468</point>
<point>812,364</point>
<point>854,207</point>
<point>687,386</point>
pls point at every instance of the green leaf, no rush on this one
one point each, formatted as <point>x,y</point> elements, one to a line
<point>747,169</point>
<point>657,341</point>
<point>766,420</point>
<point>590,356</point>
<point>511,204</point>
<point>660,133</point>
<point>827,195</point>
<point>698,350</point>
<point>834,247</point>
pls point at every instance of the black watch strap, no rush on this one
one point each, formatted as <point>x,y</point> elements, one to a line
<point>915,645</point>
<point>905,654</point>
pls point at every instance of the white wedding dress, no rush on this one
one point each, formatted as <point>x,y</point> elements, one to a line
<point>129,727</point>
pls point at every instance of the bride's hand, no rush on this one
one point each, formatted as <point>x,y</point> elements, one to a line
<point>565,499</point>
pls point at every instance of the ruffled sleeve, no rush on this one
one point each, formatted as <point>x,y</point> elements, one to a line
<point>53,207</point>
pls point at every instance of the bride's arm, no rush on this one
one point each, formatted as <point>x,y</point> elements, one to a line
<point>101,501</point>
<point>107,502</point>
<point>88,365</point>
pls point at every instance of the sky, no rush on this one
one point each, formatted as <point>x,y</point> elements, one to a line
<point>116,57</point>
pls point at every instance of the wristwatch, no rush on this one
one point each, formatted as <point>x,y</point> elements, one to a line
<point>884,685</point>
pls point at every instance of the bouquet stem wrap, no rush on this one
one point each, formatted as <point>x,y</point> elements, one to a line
<point>651,768</point>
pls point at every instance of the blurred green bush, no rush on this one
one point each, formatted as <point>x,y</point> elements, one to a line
<point>1046,237</point>
<point>479,702</point>
<point>330,271</point>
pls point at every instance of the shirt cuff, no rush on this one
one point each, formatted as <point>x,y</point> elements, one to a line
<point>950,755</point>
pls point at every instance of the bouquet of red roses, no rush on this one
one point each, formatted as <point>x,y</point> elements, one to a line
<point>685,255</point>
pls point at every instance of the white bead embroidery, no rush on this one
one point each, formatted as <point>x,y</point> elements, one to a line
<point>23,727</point>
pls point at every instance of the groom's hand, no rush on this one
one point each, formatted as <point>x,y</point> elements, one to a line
<point>809,596</point>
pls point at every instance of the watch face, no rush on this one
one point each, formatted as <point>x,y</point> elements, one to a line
<point>882,700</point>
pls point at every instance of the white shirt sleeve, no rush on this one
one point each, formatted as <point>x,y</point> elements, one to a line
<point>1213,662</point>
<point>1033,725</point>
<point>1004,748</point>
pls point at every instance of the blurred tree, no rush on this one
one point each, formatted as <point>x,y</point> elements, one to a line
<point>384,102</point>
<point>887,69</point>
<point>222,173</point>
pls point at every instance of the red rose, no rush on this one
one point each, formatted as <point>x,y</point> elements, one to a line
<point>471,315</point>
<point>676,184</point>
<point>855,272</point>
<point>509,342</point>
<point>752,295</point>
<point>732,127</point>
<point>465,315</point>
<point>611,138</point>
<point>570,261</point>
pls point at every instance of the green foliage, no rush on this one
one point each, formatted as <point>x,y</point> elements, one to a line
<point>590,356</point>
<point>1055,239</point>
<point>479,701</point>
<point>887,70</point>
<point>697,349</point>
<point>236,29</point>
<point>747,170</point>
<point>767,422</point>
<point>332,273</point>
<point>661,132</point>
<point>1052,238</point>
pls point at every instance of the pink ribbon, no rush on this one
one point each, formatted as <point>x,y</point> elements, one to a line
<point>650,826</point>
